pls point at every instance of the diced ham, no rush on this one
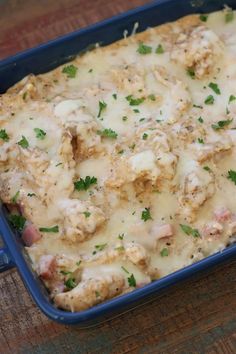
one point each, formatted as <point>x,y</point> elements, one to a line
<point>212,228</point>
<point>30,235</point>
<point>46,266</point>
<point>222,214</point>
<point>161,231</point>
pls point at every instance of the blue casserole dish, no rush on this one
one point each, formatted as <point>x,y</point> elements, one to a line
<point>47,57</point>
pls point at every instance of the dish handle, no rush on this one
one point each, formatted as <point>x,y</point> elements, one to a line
<point>5,260</point>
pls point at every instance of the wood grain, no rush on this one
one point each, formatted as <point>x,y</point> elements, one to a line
<point>195,317</point>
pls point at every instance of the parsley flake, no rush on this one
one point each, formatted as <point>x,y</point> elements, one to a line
<point>203,18</point>
<point>78,263</point>
<point>23,142</point>
<point>84,184</point>
<point>134,101</point>
<point>191,73</point>
<point>200,140</point>
<point>207,168</point>
<point>101,247</point>
<point>121,236</point>
<point>107,133</point>
<point>31,194</point>
<point>40,134</point>
<point>221,124</point>
<point>114,96</point>
<point>132,281</point>
<point>87,214</point>
<point>145,136</point>
<point>70,71</point>
<point>152,97</point>
<point>209,100</point>
<point>200,120</point>
<point>164,252</point>
<point>146,215</point>
<point>53,229</point>
<point>232,98</point>
<point>188,230</point>
<point>159,49</point>
<point>229,16</point>
<point>232,176</point>
<point>102,106</point>
<point>125,270</point>
<point>70,283</point>
<point>214,87</point>
<point>17,221</point>
<point>3,135</point>
<point>15,197</point>
<point>144,49</point>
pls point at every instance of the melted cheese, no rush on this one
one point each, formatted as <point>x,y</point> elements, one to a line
<point>141,126</point>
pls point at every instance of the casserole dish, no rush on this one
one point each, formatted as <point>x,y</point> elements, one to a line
<point>47,57</point>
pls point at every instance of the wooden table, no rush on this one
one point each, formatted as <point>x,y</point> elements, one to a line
<point>197,316</point>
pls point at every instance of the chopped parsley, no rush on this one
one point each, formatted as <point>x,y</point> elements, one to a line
<point>203,18</point>
<point>152,97</point>
<point>191,73</point>
<point>134,101</point>
<point>144,49</point>
<point>136,110</point>
<point>3,135</point>
<point>64,272</point>
<point>197,106</point>
<point>232,176</point>
<point>221,124</point>
<point>229,16</point>
<point>214,87</point>
<point>70,283</point>
<point>232,98</point>
<point>209,100</point>
<point>107,133</point>
<point>164,252</point>
<point>97,293</point>
<point>70,71</point>
<point>78,263</point>
<point>124,118</point>
<point>121,236</point>
<point>114,96</point>
<point>207,168</point>
<point>84,184</point>
<point>188,230</point>
<point>31,194</point>
<point>101,247</point>
<point>87,214</point>
<point>200,120</point>
<point>132,280</point>
<point>146,215</point>
<point>25,95</point>
<point>40,134</point>
<point>90,70</point>
<point>145,136</point>
<point>53,229</point>
<point>15,197</point>
<point>120,248</point>
<point>102,106</point>
<point>23,142</point>
<point>125,270</point>
<point>17,221</point>
<point>200,140</point>
<point>159,49</point>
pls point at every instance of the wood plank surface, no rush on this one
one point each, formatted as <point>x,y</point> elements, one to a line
<point>197,316</point>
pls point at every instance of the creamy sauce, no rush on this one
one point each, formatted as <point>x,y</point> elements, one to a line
<point>141,119</point>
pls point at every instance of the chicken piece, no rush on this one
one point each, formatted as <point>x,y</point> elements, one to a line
<point>79,226</point>
<point>198,49</point>
<point>198,186</point>
<point>137,254</point>
<point>176,96</point>
<point>162,231</point>
<point>130,78</point>
<point>90,292</point>
<point>81,126</point>
<point>215,144</point>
